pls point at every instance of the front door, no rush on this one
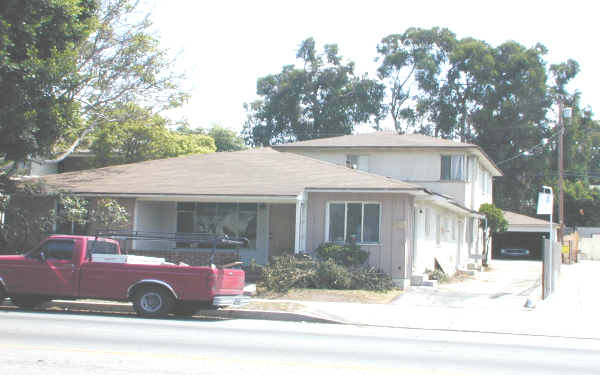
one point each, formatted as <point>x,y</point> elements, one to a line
<point>50,270</point>
<point>282,229</point>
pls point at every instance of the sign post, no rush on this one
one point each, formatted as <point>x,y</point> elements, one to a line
<point>545,207</point>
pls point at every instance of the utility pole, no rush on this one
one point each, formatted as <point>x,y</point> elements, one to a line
<point>563,113</point>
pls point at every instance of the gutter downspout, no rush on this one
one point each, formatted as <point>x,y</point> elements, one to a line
<point>484,254</point>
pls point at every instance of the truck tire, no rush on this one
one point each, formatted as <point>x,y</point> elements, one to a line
<point>153,302</point>
<point>27,302</point>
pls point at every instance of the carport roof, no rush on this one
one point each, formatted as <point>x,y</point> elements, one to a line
<point>515,219</point>
<point>257,172</point>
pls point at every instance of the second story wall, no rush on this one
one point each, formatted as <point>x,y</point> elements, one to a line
<point>463,177</point>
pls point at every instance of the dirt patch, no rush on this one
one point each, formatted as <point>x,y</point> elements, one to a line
<point>332,295</point>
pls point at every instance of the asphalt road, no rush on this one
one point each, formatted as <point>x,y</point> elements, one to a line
<point>66,343</point>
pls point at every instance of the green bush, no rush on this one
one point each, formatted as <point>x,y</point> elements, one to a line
<point>331,275</point>
<point>370,278</point>
<point>348,255</point>
<point>300,271</point>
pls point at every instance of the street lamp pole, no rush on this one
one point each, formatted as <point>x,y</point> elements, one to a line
<point>561,187</point>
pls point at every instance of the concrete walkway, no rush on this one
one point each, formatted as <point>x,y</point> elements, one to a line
<point>572,312</point>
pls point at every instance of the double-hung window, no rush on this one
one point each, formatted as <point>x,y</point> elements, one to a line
<point>354,221</point>
<point>453,168</point>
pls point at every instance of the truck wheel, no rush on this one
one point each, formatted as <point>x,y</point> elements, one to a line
<point>28,302</point>
<point>153,302</point>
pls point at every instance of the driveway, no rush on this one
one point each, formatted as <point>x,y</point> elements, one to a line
<point>505,285</point>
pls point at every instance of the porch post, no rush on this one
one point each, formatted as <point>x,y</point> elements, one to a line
<point>300,232</point>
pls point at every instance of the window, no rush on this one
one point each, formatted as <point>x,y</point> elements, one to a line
<point>358,162</point>
<point>231,219</point>
<point>453,168</point>
<point>101,247</point>
<point>57,249</point>
<point>485,182</point>
<point>354,221</point>
<point>67,226</point>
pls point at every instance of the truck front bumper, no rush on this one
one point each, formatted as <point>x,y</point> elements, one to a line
<point>222,301</point>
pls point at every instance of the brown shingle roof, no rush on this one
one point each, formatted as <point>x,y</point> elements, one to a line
<point>387,140</point>
<point>514,218</point>
<point>259,172</point>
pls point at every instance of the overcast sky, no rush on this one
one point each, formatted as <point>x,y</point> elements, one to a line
<point>224,46</point>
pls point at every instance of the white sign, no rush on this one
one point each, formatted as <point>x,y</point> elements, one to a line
<point>545,204</point>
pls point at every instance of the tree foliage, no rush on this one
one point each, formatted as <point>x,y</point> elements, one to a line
<point>26,222</point>
<point>322,98</point>
<point>38,65</point>
<point>140,135</point>
<point>412,62</point>
<point>226,139</point>
<point>495,218</point>
<point>106,58</point>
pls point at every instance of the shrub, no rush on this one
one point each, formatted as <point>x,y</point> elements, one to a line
<point>288,271</point>
<point>348,255</point>
<point>370,278</point>
<point>300,271</point>
<point>333,276</point>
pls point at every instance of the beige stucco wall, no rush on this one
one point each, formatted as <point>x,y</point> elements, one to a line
<point>392,252</point>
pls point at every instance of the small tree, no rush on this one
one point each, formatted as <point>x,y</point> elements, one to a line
<point>25,224</point>
<point>495,223</point>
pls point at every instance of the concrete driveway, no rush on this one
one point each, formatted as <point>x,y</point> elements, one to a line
<point>505,285</point>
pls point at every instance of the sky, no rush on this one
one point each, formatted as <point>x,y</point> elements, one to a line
<point>223,47</point>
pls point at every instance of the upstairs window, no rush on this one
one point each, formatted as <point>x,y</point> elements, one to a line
<point>453,168</point>
<point>360,162</point>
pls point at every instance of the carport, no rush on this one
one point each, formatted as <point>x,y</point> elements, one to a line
<point>524,232</point>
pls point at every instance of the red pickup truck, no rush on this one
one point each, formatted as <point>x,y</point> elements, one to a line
<point>72,267</point>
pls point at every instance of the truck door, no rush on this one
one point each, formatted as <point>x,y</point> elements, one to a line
<point>50,270</point>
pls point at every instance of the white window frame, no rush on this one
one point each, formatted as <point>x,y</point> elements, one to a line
<point>327,216</point>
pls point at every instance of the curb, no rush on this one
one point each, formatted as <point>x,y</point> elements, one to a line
<point>126,307</point>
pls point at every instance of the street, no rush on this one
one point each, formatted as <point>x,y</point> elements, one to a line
<point>66,343</point>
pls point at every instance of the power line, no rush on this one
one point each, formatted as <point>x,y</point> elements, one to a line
<point>523,153</point>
